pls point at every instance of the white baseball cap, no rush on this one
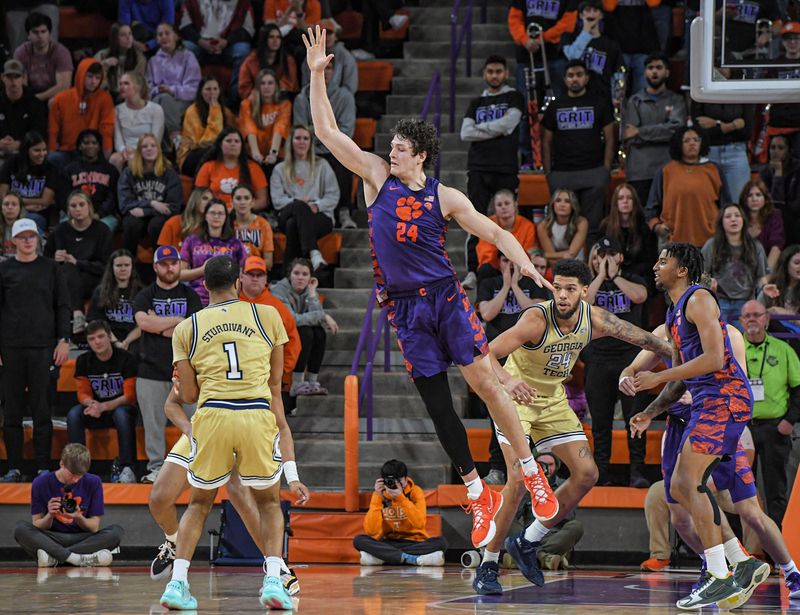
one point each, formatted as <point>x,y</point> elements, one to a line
<point>25,224</point>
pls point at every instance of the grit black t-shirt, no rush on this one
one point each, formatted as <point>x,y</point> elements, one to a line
<point>577,126</point>
<point>740,23</point>
<point>509,313</point>
<point>155,351</point>
<point>32,183</point>
<point>498,154</point>
<point>609,297</point>
<point>602,57</point>
<point>546,13</point>
<point>106,377</point>
<point>119,317</point>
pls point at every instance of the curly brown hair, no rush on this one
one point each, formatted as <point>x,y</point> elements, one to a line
<point>423,138</point>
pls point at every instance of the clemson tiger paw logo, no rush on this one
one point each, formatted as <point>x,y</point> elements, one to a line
<point>408,208</point>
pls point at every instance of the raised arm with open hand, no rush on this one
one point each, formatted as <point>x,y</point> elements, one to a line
<point>315,49</point>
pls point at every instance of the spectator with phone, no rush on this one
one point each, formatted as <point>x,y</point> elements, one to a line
<point>395,523</point>
<point>66,506</point>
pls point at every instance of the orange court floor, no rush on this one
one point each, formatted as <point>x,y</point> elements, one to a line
<point>385,590</point>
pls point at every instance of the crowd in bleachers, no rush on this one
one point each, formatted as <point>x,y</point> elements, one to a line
<point>188,125</point>
<point>631,162</point>
<point>133,155</point>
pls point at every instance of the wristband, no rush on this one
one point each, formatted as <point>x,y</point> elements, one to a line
<point>290,471</point>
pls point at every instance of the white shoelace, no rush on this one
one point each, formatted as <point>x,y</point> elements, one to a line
<point>165,550</point>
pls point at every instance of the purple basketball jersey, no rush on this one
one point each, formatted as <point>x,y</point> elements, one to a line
<point>729,382</point>
<point>407,235</point>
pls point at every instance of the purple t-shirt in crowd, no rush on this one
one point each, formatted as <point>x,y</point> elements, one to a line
<point>195,251</point>
<point>88,492</point>
<point>42,69</point>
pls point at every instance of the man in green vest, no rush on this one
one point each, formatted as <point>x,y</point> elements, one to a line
<point>774,372</point>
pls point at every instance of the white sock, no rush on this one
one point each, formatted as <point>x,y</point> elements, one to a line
<point>490,556</point>
<point>180,570</point>
<point>474,488</point>
<point>529,466</point>
<point>536,531</point>
<point>173,538</point>
<point>74,559</point>
<point>312,377</point>
<point>284,566</point>
<point>734,551</point>
<point>274,566</point>
<point>715,561</point>
<point>788,568</point>
<point>298,377</point>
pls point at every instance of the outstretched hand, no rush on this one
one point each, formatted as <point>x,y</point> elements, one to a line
<point>316,55</point>
<point>531,272</point>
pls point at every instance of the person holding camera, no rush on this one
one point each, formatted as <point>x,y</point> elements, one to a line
<point>66,506</point>
<point>395,523</point>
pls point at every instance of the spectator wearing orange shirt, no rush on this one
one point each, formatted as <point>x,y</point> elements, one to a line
<point>252,230</point>
<point>394,526</point>
<point>227,165</point>
<point>506,216</point>
<point>85,105</point>
<point>203,121</point>
<point>265,120</point>
<point>254,289</point>
<point>180,226</point>
<point>269,53</point>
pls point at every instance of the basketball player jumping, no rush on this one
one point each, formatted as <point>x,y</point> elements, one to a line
<point>721,407</point>
<point>428,308</point>
<point>229,358</point>
<point>733,475</point>
<point>542,348</point>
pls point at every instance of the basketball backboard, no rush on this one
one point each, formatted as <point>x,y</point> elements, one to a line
<point>729,64</point>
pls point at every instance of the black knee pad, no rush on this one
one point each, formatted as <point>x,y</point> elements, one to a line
<point>703,488</point>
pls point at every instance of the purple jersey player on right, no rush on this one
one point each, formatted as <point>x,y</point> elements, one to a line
<point>721,406</point>
<point>435,323</point>
<point>733,474</point>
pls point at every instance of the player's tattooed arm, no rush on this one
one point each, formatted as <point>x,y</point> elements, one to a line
<point>604,323</point>
<point>668,396</point>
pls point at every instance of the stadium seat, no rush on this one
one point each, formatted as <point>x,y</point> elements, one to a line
<point>397,35</point>
<point>364,135</point>
<point>375,76</point>
<point>329,246</point>
<point>352,23</point>
<point>75,25</point>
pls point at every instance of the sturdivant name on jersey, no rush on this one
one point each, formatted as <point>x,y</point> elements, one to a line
<point>225,327</point>
<point>563,347</point>
<point>575,118</point>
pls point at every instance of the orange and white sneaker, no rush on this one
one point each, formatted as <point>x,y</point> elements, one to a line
<point>483,511</point>
<point>543,501</point>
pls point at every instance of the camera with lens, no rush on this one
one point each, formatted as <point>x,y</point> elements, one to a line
<point>68,503</point>
<point>390,482</point>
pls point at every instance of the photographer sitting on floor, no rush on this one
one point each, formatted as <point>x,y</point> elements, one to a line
<point>395,523</point>
<point>66,506</point>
